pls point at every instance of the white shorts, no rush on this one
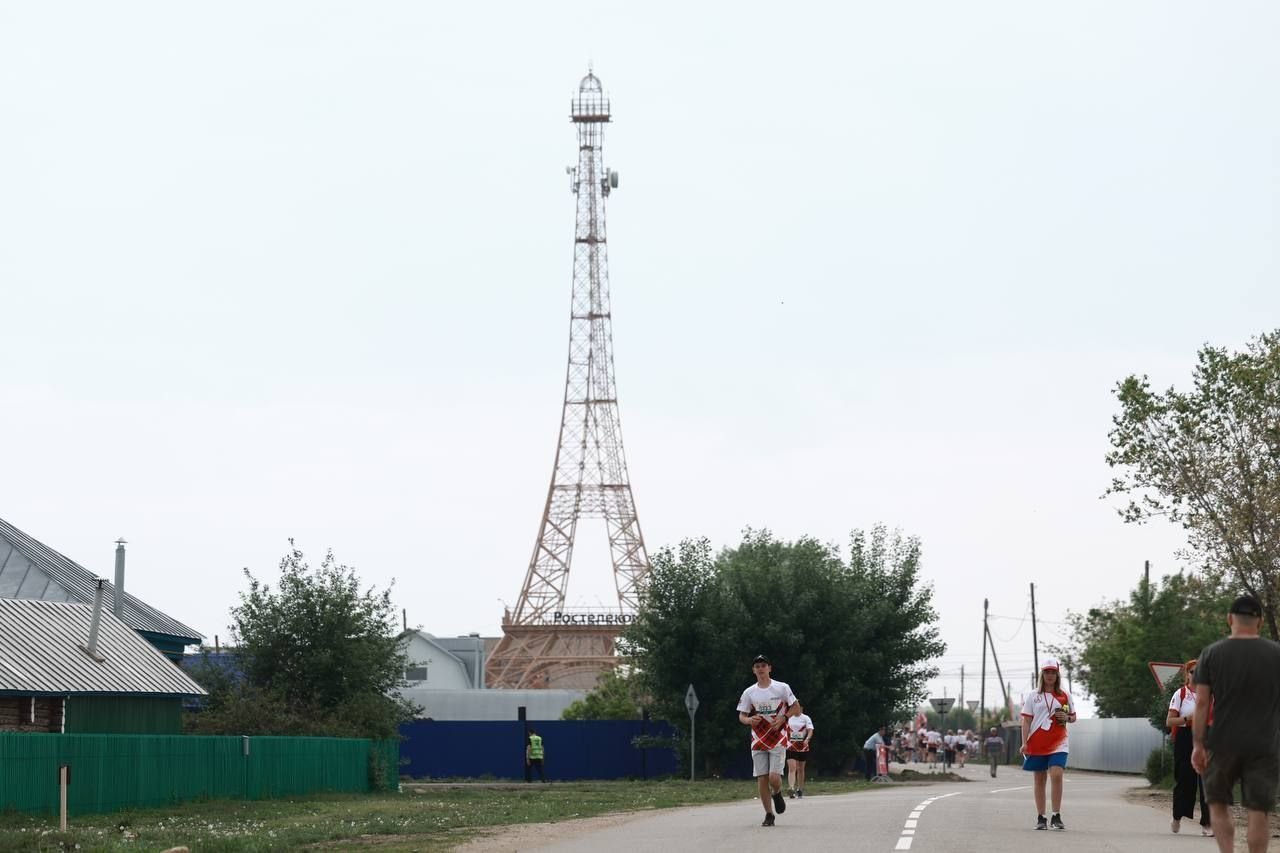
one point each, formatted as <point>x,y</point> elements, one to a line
<point>768,762</point>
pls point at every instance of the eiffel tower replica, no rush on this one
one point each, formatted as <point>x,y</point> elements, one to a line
<point>542,644</point>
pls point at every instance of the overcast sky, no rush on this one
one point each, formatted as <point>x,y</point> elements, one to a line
<point>302,269</point>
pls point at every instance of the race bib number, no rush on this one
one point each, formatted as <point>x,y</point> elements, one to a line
<point>799,737</point>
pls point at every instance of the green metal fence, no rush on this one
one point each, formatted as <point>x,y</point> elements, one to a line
<point>114,772</point>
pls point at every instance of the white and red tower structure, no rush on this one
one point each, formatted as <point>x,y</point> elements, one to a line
<point>542,644</point>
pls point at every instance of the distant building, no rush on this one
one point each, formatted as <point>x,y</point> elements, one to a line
<point>444,663</point>
<point>445,675</point>
<point>32,570</point>
<point>492,704</point>
<point>51,680</point>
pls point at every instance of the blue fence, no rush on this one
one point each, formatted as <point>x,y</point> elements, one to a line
<point>574,749</point>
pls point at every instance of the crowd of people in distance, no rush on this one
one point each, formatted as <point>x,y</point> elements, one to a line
<point>932,747</point>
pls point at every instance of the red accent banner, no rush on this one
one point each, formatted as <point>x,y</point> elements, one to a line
<point>882,760</point>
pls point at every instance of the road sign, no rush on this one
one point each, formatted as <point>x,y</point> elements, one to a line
<point>691,703</point>
<point>1164,673</point>
<point>973,704</point>
<point>942,705</point>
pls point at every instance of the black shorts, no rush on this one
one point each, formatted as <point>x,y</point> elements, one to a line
<point>802,757</point>
<point>961,748</point>
<point>932,748</point>
<point>1258,775</point>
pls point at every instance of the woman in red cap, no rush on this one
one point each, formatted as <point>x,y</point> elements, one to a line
<point>1186,781</point>
<point>1045,715</point>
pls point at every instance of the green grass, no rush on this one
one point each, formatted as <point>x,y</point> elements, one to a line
<point>427,819</point>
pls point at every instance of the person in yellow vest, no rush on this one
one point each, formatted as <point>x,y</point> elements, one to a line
<point>533,757</point>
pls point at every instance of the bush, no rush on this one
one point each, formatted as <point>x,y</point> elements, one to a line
<point>1160,765</point>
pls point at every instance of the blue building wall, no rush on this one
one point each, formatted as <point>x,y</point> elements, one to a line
<point>574,749</point>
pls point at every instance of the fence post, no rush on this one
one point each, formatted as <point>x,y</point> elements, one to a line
<point>64,779</point>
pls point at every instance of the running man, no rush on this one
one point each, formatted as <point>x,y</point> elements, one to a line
<point>932,741</point>
<point>1237,681</point>
<point>800,734</point>
<point>1045,715</point>
<point>765,707</point>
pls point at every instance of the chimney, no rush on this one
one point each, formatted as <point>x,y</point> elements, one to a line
<point>477,677</point>
<point>117,598</point>
<point>92,648</point>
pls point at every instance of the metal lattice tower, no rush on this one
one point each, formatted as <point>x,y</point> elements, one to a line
<point>590,477</point>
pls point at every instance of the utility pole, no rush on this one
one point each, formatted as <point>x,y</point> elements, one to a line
<point>1007,704</point>
<point>1146,588</point>
<point>961,685</point>
<point>982,690</point>
<point>1035,643</point>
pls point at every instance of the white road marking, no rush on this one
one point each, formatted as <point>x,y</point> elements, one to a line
<point>1002,790</point>
<point>913,820</point>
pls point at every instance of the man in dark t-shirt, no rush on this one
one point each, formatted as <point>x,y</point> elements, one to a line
<point>1239,680</point>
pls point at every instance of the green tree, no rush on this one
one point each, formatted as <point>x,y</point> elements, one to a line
<point>315,656</point>
<point>1112,645</point>
<point>1209,459</point>
<point>852,637</point>
<point>614,698</point>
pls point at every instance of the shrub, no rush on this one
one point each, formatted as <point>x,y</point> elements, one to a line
<point>1160,765</point>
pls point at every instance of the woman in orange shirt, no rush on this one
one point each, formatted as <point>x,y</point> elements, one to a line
<point>1045,715</point>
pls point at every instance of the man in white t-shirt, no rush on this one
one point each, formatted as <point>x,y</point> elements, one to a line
<point>765,707</point>
<point>933,742</point>
<point>800,737</point>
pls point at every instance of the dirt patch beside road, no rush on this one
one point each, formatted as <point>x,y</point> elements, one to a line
<point>509,839</point>
<point>1162,800</point>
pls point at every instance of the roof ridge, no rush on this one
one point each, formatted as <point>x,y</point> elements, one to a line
<point>81,583</point>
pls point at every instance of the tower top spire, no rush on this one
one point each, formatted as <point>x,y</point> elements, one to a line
<point>590,105</point>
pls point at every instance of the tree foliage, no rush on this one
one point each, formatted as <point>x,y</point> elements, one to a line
<point>1209,459</point>
<point>1170,622</point>
<point>852,637</point>
<point>614,698</point>
<point>314,656</point>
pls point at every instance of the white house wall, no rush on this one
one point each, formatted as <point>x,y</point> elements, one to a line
<point>444,671</point>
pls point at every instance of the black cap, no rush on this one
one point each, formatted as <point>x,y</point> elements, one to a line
<point>1247,605</point>
<point>761,659</point>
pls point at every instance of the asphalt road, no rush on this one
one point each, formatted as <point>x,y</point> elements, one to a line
<point>984,814</point>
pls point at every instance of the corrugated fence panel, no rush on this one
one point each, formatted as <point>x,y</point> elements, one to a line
<point>281,766</point>
<point>113,772</point>
<point>1113,744</point>
<point>574,749</point>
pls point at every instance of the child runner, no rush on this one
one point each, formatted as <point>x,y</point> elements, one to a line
<point>800,734</point>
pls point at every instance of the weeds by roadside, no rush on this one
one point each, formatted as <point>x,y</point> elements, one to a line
<point>423,818</point>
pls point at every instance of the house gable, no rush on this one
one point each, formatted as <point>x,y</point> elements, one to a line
<point>33,570</point>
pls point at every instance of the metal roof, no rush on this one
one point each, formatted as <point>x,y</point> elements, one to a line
<point>79,584</point>
<point>41,654</point>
